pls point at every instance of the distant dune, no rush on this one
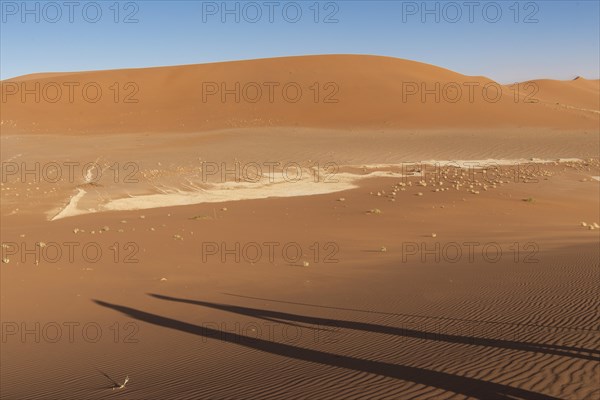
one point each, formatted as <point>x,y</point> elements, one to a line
<point>338,91</point>
<point>580,92</point>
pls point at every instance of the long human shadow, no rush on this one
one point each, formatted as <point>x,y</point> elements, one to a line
<point>390,330</point>
<point>567,328</point>
<point>453,383</point>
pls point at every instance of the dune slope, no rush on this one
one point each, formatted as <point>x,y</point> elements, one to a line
<point>336,91</point>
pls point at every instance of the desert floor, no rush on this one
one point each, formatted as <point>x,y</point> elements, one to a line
<point>403,289</point>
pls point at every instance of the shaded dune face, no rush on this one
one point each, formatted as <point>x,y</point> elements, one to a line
<point>338,91</point>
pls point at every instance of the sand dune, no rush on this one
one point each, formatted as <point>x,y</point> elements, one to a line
<point>338,91</point>
<point>580,92</point>
<point>359,312</point>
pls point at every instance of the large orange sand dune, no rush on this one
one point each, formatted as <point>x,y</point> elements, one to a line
<point>366,92</point>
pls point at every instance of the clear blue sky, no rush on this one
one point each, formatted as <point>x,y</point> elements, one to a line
<point>563,43</point>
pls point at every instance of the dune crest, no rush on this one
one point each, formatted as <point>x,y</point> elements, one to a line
<point>328,91</point>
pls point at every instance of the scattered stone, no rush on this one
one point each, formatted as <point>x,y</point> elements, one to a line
<point>341,199</point>
<point>5,260</point>
<point>105,229</point>
<point>383,249</point>
<point>177,237</point>
<point>224,209</point>
<point>163,279</point>
<point>305,264</point>
<point>433,235</point>
<point>142,217</point>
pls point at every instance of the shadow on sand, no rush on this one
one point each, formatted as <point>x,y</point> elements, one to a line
<point>448,382</point>
<point>558,350</point>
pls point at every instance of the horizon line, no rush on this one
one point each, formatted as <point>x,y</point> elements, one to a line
<point>575,77</point>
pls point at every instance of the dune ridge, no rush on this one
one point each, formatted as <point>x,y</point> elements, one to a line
<point>326,91</point>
